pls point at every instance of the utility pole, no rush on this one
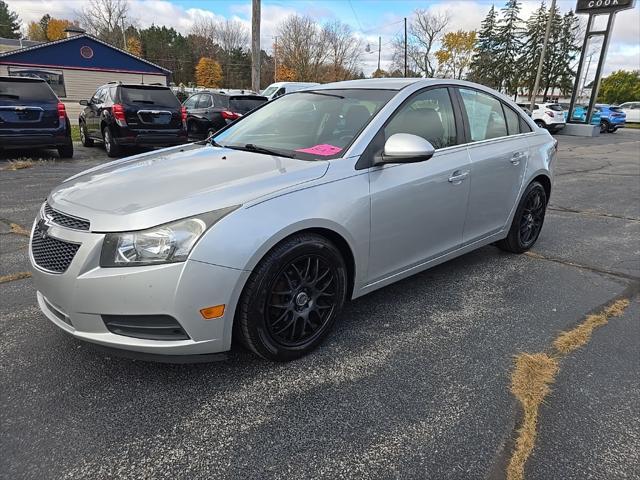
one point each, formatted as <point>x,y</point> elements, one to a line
<point>405,47</point>
<point>379,49</point>
<point>275,60</point>
<point>255,46</point>
<point>542,55</point>
<point>124,35</point>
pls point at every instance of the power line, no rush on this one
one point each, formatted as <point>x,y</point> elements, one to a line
<point>355,15</point>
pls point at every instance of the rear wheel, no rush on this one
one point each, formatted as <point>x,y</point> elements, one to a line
<point>612,129</point>
<point>541,124</point>
<point>110,146</point>
<point>192,129</point>
<point>292,298</point>
<point>528,220</point>
<point>66,150</point>
<point>84,136</point>
<point>604,126</point>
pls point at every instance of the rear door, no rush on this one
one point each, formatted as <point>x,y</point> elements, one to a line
<point>27,104</point>
<point>418,209</point>
<point>499,152</point>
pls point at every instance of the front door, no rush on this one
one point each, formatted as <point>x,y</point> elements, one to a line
<point>418,210</point>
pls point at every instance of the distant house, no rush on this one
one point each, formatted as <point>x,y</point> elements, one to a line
<point>8,44</point>
<point>76,65</point>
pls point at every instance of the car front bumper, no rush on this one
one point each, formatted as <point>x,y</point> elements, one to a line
<point>77,299</point>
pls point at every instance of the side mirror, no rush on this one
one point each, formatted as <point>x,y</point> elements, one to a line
<point>84,102</point>
<point>405,148</point>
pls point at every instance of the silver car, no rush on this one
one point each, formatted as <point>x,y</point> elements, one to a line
<point>262,232</point>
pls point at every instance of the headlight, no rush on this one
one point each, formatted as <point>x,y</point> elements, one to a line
<point>166,243</point>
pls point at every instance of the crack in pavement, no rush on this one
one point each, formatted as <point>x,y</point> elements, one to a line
<point>568,263</point>
<point>590,213</point>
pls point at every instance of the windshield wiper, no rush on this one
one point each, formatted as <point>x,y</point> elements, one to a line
<point>250,147</point>
<point>313,92</point>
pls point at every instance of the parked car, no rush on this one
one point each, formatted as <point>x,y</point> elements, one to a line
<point>209,111</point>
<point>551,116</point>
<point>263,232</point>
<point>611,118</point>
<point>580,115</point>
<point>632,111</point>
<point>122,115</point>
<point>32,116</point>
<point>280,88</point>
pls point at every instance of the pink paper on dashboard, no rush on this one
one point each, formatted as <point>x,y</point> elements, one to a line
<point>323,150</point>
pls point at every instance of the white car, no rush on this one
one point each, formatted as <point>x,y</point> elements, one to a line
<point>632,109</point>
<point>280,88</point>
<point>551,116</point>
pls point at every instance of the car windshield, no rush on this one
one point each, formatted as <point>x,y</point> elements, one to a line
<point>143,95</point>
<point>309,125</point>
<point>555,107</point>
<point>16,92</point>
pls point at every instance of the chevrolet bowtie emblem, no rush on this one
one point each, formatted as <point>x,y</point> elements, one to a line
<point>43,228</point>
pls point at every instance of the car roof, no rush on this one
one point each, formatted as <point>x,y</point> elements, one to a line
<point>120,84</point>
<point>21,79</point>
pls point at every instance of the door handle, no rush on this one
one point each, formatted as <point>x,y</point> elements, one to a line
<point>517,157</point>
<point>458,176</point>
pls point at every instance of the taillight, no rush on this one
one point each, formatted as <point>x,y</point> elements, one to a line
<point>183,113</point>
<point>117,111</point>
<point>229,115</point>
<point>62,113</point>
<point>549,112</point>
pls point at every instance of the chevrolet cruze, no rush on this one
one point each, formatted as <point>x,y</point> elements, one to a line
<point>262,232</point>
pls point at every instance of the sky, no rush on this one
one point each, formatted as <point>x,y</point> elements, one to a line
<point>368,18</point>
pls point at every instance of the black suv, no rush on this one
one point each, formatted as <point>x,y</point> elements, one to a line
<point>132,115</point>
<point>209,111</point>
<point>31,116</point>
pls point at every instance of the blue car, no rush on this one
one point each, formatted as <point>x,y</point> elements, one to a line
<point>611,118</point>
<point>580,114</point>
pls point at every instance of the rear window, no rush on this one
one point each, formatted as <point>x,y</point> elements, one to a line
<point>14,92</point>
<point>615,109</point>
<point>245,104</point>
<point>142,95</point>
<point>555,107</point>
<point>270,90</point>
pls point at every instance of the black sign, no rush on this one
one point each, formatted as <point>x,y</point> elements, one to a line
<point>603,6</point>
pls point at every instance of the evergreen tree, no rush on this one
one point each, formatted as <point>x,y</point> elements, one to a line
<point>552,60</point>
<point>568,50</point>
<point>482,69</point>
<point>9,22</point>
<point>532,48</point>
<point>508,43</point>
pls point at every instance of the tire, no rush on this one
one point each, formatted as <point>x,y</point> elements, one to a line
<point>541,124</point>
<point>84,136</point>
<point>604,126</point>
<point>292,298</point>
<point>110,147</point>
<point>527,221</point>
<point>192,130</point>
<point>612,129</point>
<point>66,150</point>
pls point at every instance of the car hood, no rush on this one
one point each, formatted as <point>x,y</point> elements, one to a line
<point>158,187</point>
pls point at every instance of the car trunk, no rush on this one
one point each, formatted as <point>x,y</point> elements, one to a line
<point>27,104</point>
<point>150,108</point>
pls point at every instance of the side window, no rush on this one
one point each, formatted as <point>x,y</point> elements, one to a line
<point>485,115</point>
<point>192,101</point>
<point>205,101</point>
<point>96,97</point>
<point>279,92</point>
<point>428,114</point>
<point>513,120</point>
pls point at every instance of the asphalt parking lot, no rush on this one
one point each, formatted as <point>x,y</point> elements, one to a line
<point>413,383</point>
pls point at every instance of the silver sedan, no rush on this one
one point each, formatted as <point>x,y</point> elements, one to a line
<point>262,232</point>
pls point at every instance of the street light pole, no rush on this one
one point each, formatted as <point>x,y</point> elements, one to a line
<point>542,55</point>
<point>405,46</point>
<point>379,49</point>
<point>275,60</point>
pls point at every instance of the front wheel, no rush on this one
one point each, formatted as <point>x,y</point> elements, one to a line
<point>292,298</point>
<point>528,220</point>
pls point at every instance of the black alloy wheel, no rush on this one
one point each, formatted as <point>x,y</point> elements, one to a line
<point>527,221</point>
<point>292,299</point>
<point>301,300</point>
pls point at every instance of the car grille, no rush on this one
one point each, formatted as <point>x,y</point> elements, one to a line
<point>148,327</point>
<point>50,253</point>
<point>65,220</point>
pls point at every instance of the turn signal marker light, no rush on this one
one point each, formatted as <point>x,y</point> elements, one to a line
<point>210,313</point>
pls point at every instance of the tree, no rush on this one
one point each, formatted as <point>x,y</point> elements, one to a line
<point>379,73</point>
<point>134,46</point>
<point>302,47</point>
<point>208,72</point>
<point>9,22</point>
<point>619,87</point>
<point>169,49</point>
<point>56,28</point>
<point>105,19</point>
<point>425,31</point>
<point>508,44</point>
<point>35,32</point>
<point>482,64</point>
<point>455,53</point>
<point>533,39</point>
<point>344,52</point>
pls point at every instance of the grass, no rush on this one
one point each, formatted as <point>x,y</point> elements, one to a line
<point>19,230</point>
<point>632,125</point>
<point>534,374</point>
<point>14,276</point>
<point>75,133</point>
<point>18,164</point>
